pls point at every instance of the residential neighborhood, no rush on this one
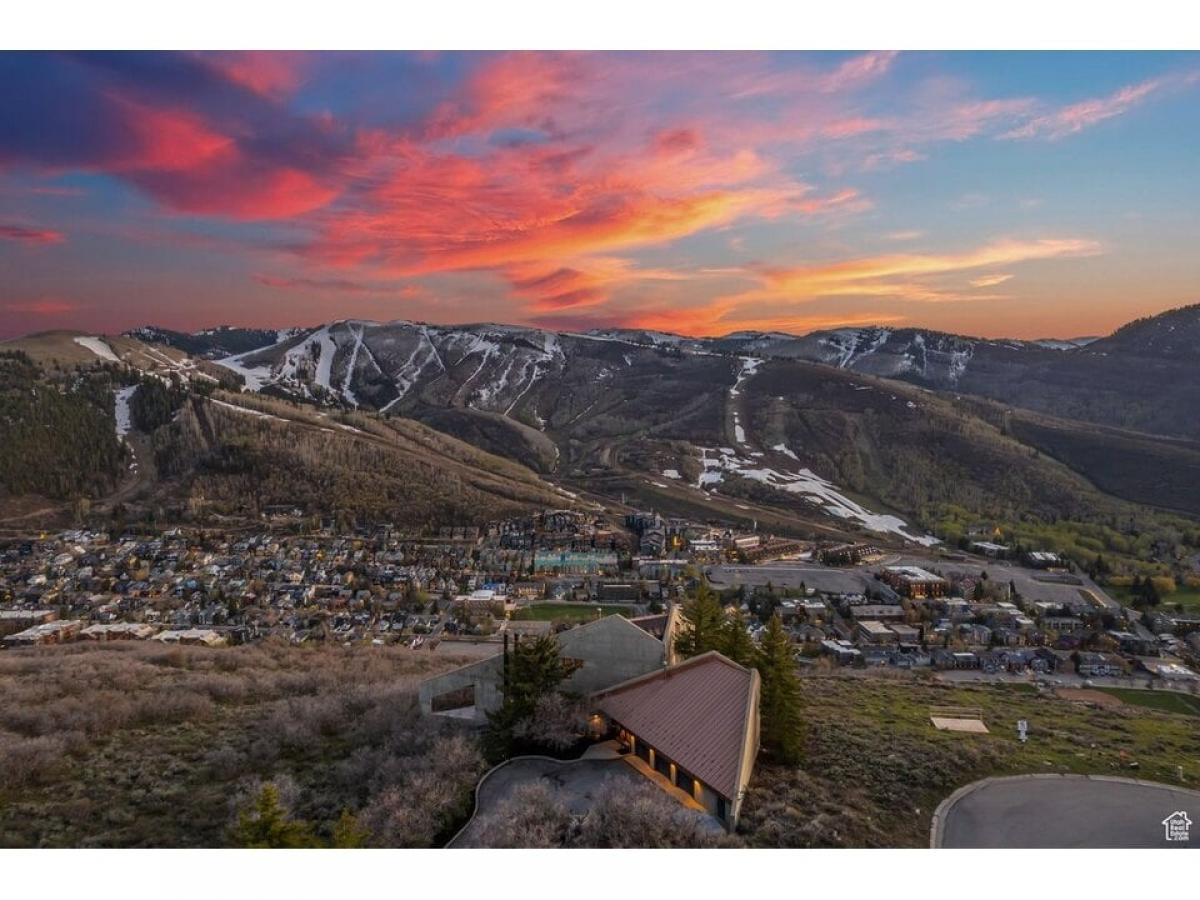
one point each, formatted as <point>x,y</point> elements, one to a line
<point>465,589</point>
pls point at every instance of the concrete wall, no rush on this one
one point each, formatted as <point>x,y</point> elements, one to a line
<point>611,649</point>
<point>484,675</point>
<point>750,748</point>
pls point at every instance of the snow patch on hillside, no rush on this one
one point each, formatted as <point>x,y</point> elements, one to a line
<point>851,344</point>
<point>750,365</point>
<point>256,376</point>
<point>719,462</point>
<point>99,346</point>
<point>124,416</point>
<point>244,411</point>
<point>328,349</point>
<point>347,390</point>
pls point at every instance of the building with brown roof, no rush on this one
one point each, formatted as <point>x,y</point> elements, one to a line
<point>696,723</point>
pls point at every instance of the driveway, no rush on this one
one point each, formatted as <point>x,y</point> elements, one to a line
<point>1061,811</point>
<point>577,782</point>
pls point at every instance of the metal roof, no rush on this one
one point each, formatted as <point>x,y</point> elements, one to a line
<point>698,713</point>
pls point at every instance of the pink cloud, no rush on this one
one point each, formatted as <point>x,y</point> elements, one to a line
<point>22,234</point>
<point>1076,117</point>
<point>273,73</point>
<point>43,306</point>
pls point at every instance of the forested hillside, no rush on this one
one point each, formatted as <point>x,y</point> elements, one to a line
<point>58,436</point>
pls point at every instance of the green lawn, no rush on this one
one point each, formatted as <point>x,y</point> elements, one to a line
<point>1188,598</point>
<point>1166,701</point>
<point>567,612</point>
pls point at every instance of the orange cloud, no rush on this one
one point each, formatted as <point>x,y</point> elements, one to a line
<point>342,285</point>
<point>869,275</point>
<point>904,277</point>
<point>989,280</point>
<point>717,318</point>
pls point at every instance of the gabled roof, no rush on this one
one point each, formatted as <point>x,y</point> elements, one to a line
<point>699,713</point>
<point>615,622</point>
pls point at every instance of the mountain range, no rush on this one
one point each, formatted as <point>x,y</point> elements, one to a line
<point>1140,377</point>
<point>858,423</point>
<point>904,434</point>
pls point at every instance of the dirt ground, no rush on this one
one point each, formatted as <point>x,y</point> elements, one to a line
<point>1084,695</point>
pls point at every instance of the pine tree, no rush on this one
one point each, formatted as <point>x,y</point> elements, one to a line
<point>348,834</point>
<point>703,621</point>
<point>736,642</point>
<point>781,703</point>
<point>532,670</point>
<point>265,824</point>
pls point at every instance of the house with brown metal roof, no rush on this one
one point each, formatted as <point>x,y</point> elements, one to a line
<point>695,723</point>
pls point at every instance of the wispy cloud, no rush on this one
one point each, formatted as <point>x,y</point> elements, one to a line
<point>23,234</point>
<point>343,285</point>
<point>873,274</point>
<point>989,280</point>
<point>782,292</point>
<point>43,306</point>
<point>1076,117</point>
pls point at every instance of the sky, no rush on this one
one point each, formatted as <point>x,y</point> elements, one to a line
<point>993,194</point>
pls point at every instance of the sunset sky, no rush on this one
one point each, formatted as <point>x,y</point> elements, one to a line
<point>995,194</point>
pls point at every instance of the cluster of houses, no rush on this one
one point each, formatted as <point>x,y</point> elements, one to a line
<point>469,583</point>
<point>208,587</point>
<point>380,584</point>
<point>912,617</point>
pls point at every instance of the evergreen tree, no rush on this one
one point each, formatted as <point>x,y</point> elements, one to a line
<point>265,824</point>
<point>533,669</point>
<point>348,834</point>
<point>703,624</point>
<point>781,702</point>
<point>736,642</point>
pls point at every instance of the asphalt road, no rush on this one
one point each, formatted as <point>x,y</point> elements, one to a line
<point>1064,812</point>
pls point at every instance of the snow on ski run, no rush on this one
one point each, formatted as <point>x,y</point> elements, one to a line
<point>347,391</point>
<point>256,377</point>
<point>244,410</point>
<point>717,462</point>
<point>124,417</point>
<point>99,346</point>
<point>750,365</point>
<point>328,349</point>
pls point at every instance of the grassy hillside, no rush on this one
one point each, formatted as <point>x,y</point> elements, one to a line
<point>1145,469</point>
<point>875,768</point>
<point>236,454</point>
<point>909,448</point>
<point>954,463</point>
